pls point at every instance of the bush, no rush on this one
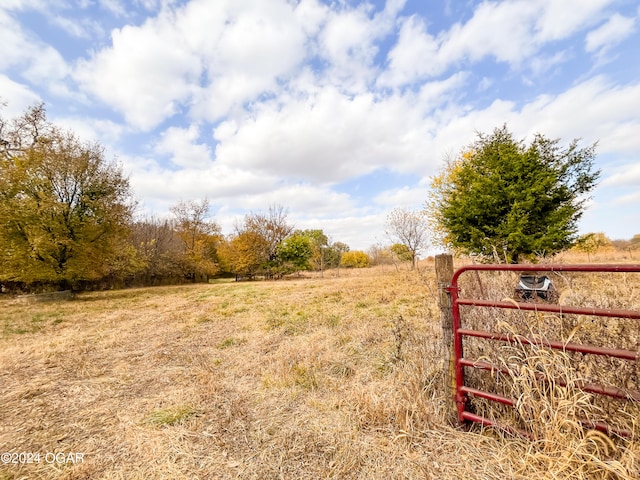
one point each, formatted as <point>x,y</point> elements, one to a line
<point>355,259</point>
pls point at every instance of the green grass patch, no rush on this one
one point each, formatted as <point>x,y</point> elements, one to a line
<point>204,319</point>
<point>20,324</point>
<point>169,416</point>
<point>305,377</point>
<point>231,342</point>
<point>332,320</point>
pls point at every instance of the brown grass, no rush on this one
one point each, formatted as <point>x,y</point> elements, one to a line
<point>334,377</point>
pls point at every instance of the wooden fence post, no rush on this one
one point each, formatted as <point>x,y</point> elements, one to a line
<point>444,274</point>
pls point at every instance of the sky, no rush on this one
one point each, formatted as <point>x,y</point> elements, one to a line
<point>337,110</point>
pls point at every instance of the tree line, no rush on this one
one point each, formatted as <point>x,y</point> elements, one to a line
<point>191,246</point>
<point>67,218</point>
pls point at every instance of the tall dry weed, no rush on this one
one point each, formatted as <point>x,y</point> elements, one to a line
<point>550,405</point>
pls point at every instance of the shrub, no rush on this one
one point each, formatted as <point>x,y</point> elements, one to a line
<point>355,259</point>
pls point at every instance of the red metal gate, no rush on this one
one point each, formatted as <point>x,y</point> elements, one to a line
<point>463,392</point>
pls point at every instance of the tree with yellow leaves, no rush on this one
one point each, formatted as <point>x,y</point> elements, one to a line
<point>200,237</point>
<point>65,210</point>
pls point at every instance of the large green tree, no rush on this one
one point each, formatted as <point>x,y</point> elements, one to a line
<point>295,252</point>
<point>504,198</point>
<point>64,209</point>
<point>319,245</point>
<point>333,254</point>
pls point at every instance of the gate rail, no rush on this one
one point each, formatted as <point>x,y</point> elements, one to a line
<point>463,391</point>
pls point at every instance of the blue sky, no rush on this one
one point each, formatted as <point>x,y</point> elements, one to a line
<point>337,110</point>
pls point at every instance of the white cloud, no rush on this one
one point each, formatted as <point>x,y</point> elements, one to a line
<point>415,55</point>
<point>92,129</point>
<point>83,28</point>
<point>412,198</point>
<point>558,20</point>
<point>145,74</point>
<point>307,199</point>
<point>38,63</point>
<point>331,137</point>
<point>502,30</point>
<point>369,228</point>
<point>41,65</point>
<point>23,4</point>
<point>626,176</point>
<point>609,34</point>
<point>435,94</point>
<point>181,144</point>
<point>485,84</point>
<point>511,32</point>
<point>213,59</point>
<point>21,48</point>
<point>629,199</point>
<point>116,7</point>
<point>220,183</point>
<point>328,137</point>
<point>232,190</point>
<point>348,43</point>
<point>46,67</point>
<point>542,64</point>
<point>311,15</point>
<point>154,5</point>
<point>257,46</point>
<point>217,59</point>
<point>17,96</point>
<point>595,110</point>
<point>208,57</point>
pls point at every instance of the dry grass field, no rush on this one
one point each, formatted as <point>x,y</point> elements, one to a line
<point>306,378</point>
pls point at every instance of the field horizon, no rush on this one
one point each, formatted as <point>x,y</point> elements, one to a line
<point>310,377</point>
